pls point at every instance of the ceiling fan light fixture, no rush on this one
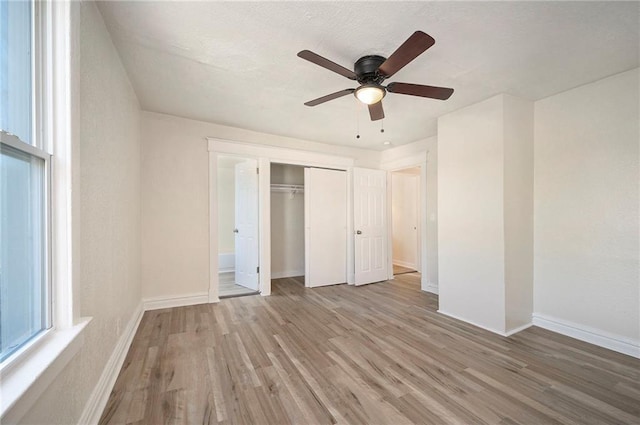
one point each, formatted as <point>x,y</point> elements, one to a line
<point>370,94</point>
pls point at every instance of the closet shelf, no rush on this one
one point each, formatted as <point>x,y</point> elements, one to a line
<point>288,188</point>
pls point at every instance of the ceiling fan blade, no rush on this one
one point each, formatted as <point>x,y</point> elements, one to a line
<point>408,51</point>
<point>326,63</point>
<point>376,112</point>
<point>329,97</point>
<point>432,92</point>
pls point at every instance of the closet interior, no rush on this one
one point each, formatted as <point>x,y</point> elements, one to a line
<point>287,222</point>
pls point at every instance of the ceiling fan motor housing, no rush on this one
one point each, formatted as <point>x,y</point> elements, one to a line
<point>366,69</point>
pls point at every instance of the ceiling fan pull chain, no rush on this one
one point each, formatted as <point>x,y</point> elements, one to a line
<point>382,125</point>
<point>357,120</point>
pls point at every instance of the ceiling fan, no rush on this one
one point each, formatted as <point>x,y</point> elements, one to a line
<point>371,71</point>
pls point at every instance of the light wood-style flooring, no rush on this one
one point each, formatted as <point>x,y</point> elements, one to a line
<point>227,286</point>
<point>397,269</point>
<point>377,354</point>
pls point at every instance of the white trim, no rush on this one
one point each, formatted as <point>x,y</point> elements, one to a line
<point>404,163</point>
<point>14,141</point>
<point>283,155</point>
<point>100,395</point>
<point>431,287</point>
<point>157,303</point>
<point>486,328</point>
<point>264,226</point>
<point>287,273</point>
<point>214,278</point>
<point>518,329</point>
<point>21,386</point>
<point>587,334</point>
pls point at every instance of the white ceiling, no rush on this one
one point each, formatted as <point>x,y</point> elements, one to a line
<point>235,63</point>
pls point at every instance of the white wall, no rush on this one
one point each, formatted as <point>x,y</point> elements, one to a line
<point>175,206</point>
<point>471,214</point>
<point>109,219</point>
<point>518,211</point>
<point>287,223</point>
<point>586,250</point>
<point>404,212</point>
<point>485,165</point>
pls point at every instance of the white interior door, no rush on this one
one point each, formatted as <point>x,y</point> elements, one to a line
<point>370,224</point>
<point>325,216</point>
<point>246,220</point>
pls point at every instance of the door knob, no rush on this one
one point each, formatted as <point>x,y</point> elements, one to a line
<point>358,232</point>
<point>235,230</point>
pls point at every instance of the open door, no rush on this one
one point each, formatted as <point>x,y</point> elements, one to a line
<point>370,224</point>
<point>325,216</point>
<point>246,220</point>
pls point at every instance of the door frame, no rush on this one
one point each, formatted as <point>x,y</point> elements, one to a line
<point>418,160</point>
<point>418,247</point>
<point>214,278</point>
<point>266,154</point>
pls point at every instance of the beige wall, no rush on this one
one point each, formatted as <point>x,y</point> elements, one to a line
<point>109,218</point>
<point>175,197</point>
<point>586,249</point>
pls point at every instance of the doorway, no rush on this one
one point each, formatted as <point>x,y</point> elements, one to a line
<point>238,226</point>
<point>308,224</point>
<point>405,223</point>
<point>287,222</point>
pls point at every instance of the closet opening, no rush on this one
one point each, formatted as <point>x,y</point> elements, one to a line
<point>405,222</point>
<point>308,225</point>
<point>287,223</point>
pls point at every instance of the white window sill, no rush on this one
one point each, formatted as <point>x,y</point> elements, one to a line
<point>25,379</point>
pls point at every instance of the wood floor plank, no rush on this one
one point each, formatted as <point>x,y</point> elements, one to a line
<point>377,354</point>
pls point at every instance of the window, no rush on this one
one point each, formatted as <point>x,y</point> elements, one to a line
<point>40,326</point>
<point>24,182</point>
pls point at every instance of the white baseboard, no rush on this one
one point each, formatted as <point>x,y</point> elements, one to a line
<point>226,262</point>
<point>486,328</point>
<point>286,273</point>
<point>518,329</point>
<point>157,303</point>
<point>433,288</point>
<point>100,395</point>
<point>404,264</point>
<point>587,334</point>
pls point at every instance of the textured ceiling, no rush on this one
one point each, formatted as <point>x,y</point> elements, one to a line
<point>235,63</point>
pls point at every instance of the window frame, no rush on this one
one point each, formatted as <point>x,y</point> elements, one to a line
<point>14,142</point>
<point>27,373</point>
<point>40,147</point>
